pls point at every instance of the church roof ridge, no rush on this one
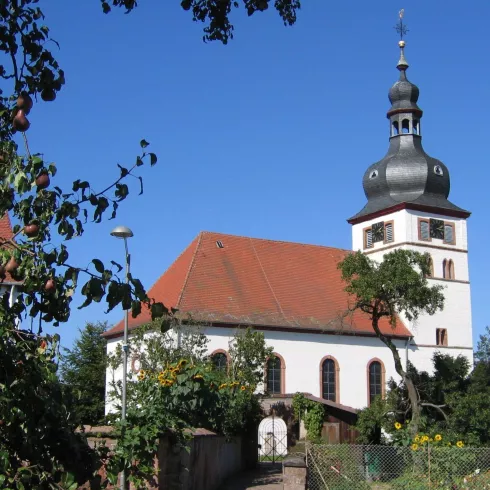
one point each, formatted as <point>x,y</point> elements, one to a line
<point>274,240</point>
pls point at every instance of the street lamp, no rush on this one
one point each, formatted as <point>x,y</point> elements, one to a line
<point>124,232</point>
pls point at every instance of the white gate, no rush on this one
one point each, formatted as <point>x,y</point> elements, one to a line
<point>273,439</point>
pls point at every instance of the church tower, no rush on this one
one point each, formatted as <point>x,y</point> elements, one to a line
<point>408,208</point>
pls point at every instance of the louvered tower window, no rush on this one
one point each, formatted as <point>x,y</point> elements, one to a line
<point>448,233</point>
<point>368,238</point>
<point>388,232</point>
<point>424,230</point>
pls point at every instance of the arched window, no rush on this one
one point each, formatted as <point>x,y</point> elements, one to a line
<point>448,267</point>
<point>329,372</point>
<point>376,375</point>
<point>395,128</point>
<point>275,375</point>
<point>405,126</point>
<point>220,361</point>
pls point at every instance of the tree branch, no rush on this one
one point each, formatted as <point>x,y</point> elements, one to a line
<point>437,407</point>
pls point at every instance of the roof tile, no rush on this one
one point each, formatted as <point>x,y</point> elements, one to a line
<point>260,282</point>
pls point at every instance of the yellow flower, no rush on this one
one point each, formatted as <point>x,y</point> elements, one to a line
<point>243,388</point>
<point>438,437</point>
<point>417,438</point>
<point>182,363</point>
<point>424,439</point>
<point>460,444</point>
<point>398,426</point>
<point>415,447</point>
<point>222,386</point>
<point>141,375</point>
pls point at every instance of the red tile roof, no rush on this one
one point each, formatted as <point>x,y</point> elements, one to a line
<point>266,283</point>
<point>6,234</point>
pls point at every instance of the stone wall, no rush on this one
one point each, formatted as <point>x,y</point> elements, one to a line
<point>204,465</point>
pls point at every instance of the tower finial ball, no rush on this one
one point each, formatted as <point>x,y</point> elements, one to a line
<point>401,44</point>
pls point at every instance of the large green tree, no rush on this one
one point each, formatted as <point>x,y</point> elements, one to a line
<point>83,371</point>
<point>457,403</point>
<point>396,285</point>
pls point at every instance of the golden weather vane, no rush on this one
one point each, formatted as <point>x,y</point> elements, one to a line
<point>400,27</point>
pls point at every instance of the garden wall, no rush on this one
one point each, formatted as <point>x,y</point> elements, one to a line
<point>209,460</point>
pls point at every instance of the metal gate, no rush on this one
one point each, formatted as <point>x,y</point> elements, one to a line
<point>273,439</point>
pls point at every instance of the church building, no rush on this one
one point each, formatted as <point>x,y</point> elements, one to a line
<point>294,294</point>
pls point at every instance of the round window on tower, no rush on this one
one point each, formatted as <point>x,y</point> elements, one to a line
<point>438,170</point>
<point>373,174</point>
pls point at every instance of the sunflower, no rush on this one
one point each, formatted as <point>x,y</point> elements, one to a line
<point>181,363</point>
<point>438,437</point>
<point>424,439</point>
<point>141,375</point>
<point>398,426</point>
<point>224,385</point>
<point>460,444</point>
<point>417,438</point>
<point>243,388</point>
<point>415,446</point>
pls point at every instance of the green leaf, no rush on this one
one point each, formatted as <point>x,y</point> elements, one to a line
<point>99,266</point>
<point>144,143</point>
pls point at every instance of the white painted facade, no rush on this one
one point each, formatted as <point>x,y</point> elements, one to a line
<point>303,353</point>
<point>456,315</point>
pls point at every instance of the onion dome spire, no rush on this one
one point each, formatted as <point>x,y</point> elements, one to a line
<point>406,176</point>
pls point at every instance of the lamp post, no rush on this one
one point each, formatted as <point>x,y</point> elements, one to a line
<point>124,232</point>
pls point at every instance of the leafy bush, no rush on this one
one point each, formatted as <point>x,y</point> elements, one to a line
<point>312,413</point>
<point>182,396</point>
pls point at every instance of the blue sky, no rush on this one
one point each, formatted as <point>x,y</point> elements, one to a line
<point>268,136</point>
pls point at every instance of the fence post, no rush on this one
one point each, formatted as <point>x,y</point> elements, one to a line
<point>294,473</point>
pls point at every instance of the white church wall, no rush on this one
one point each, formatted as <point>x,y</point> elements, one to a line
<point>456,317</point>
<point>421,357</point>
<point>399,231</point>
<point>303,352</point>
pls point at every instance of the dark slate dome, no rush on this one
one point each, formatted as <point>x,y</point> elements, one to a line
<point>406,174</point>
<point>404,94</point>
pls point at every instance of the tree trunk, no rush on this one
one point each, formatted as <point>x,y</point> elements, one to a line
<point>412,391</point>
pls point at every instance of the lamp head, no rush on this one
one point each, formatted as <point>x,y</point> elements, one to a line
<point>122,232</point>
